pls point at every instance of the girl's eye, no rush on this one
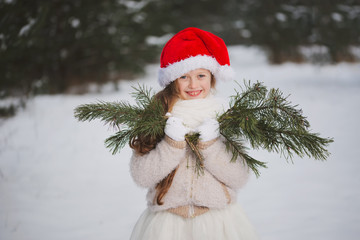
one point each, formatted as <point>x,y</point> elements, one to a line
<point>201,75</point>
<point>183,77</point>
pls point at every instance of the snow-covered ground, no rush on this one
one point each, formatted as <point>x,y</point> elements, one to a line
<point>59,182</point>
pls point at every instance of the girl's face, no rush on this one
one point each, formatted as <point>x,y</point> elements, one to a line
<point>195,84</point>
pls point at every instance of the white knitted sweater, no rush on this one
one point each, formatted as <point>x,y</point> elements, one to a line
<point>216,188</point>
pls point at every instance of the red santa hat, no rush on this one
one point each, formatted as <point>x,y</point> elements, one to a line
<point>193,48</point>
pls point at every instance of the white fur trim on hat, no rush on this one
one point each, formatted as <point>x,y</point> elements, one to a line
<point>176,70</point>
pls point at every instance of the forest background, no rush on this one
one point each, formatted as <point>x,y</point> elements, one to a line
<point>60,46</point>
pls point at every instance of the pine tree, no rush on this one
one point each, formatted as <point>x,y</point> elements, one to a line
<point>263,118</point>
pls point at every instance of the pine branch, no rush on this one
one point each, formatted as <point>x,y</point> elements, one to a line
<point>116,142</point>
<point>237,148</point>
<point>113,113</point>
<point>147,118</point>
<point>142,95</point>
<point>256,92</point>
<point>268,120</point>
<point>192,141</point>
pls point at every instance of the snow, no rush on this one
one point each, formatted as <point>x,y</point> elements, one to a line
<point>58,181</point>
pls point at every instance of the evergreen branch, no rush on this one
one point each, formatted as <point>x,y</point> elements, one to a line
<point>116,142</point>
<point>114,114</point>
<point>257,90</point>
<point>142,95</point>
<point>147,118</point>
<point>288,140</point>
<point>237,149</point>
<point>192,141</point>
<point>268,120</point>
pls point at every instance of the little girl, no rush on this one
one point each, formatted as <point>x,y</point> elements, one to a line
<point>182,203</point>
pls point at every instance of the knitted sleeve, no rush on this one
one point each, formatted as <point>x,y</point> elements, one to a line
<point>149,169</point>
<point>217,162</point>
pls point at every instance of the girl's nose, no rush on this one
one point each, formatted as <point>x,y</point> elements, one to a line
<point>193,82</point>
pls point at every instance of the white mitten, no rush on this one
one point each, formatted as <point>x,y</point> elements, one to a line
<point>209,130</point>
<point>175,129</point>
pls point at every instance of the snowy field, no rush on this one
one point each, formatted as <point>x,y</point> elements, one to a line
<point>59,182</point>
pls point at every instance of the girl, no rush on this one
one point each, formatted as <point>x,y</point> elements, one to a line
<point>184,204</point>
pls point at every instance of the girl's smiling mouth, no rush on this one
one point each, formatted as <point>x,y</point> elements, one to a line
<point>194,93</point>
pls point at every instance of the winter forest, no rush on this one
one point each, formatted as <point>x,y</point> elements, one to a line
<point>59,181</point>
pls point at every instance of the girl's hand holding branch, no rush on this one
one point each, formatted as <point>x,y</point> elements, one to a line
<point>208,130</point>
<point>175,129</point>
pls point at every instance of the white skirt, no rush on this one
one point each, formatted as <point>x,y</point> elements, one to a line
<point>230,223</point>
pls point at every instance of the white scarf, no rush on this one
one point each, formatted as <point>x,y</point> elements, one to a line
<point>194,112</point>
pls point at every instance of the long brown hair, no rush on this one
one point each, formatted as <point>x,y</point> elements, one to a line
<point>144,144</point>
